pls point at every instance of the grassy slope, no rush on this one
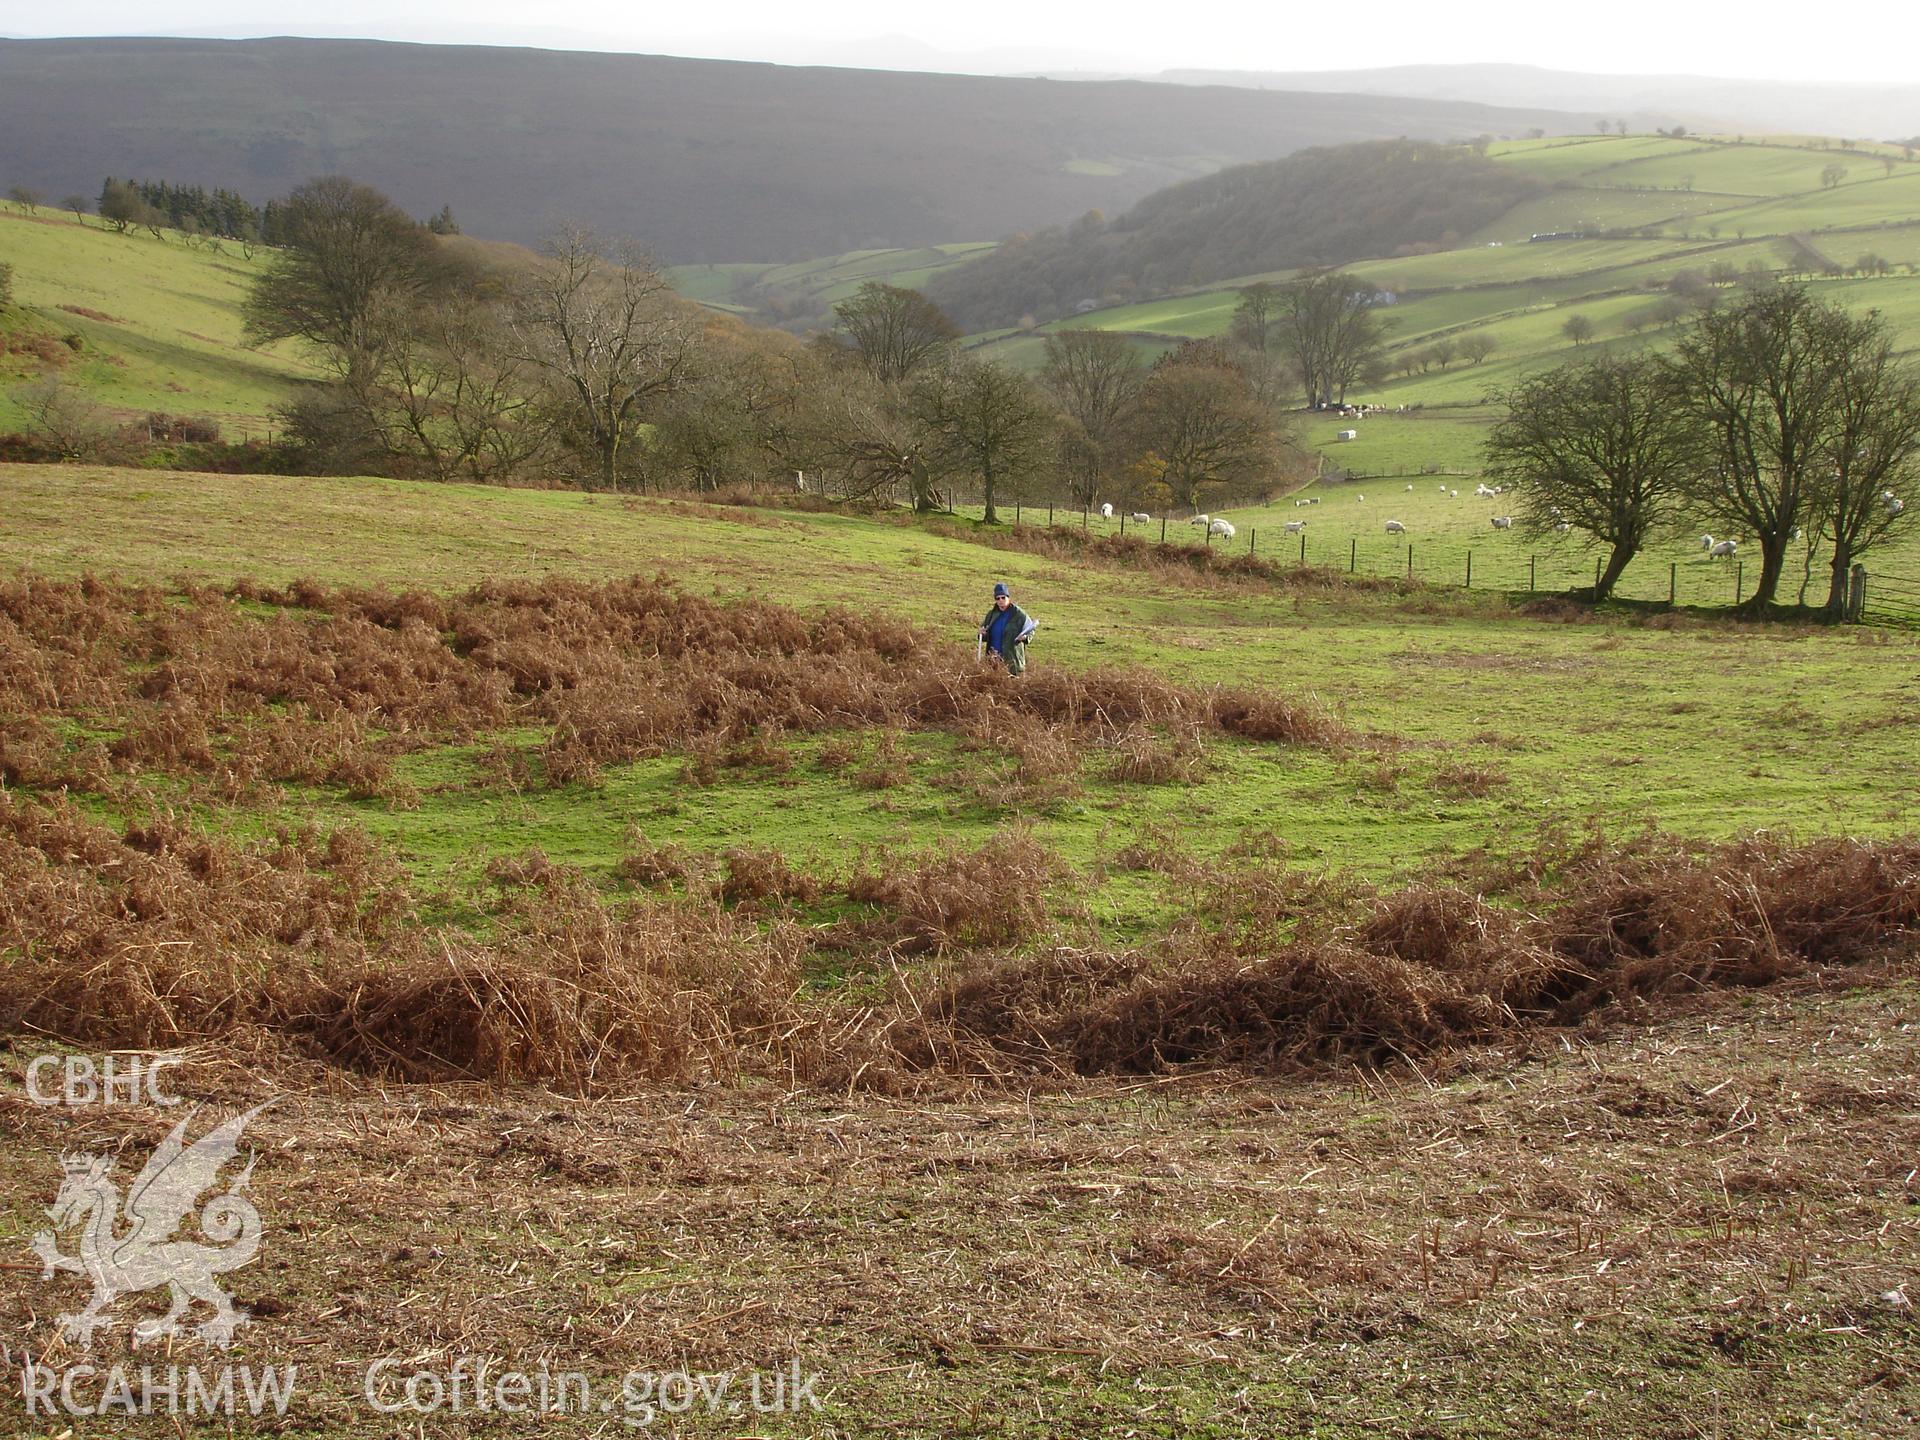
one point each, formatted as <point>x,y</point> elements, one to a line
<point>1611,1234</point>
<point>1690,204</point>
<point>173,342</point>
<point>1705,729</point>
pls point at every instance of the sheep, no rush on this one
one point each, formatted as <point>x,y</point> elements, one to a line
<point>1409,489</point>
<point>1706,543</point>
<point>1454,493</point>
<point>1106,512</point>
<point>1502,522</point>
<point>1200,520</point>
<point>1895,506</point>
<point>1561,527</point>
<point>1296,527</point>
<point>1482,491</point>
<point>1394,527</point>
<point>1140,517</point>
<point>1314,501</point>
<point>1360,499</point>
<point>1724,549</point>
<point>1298,504</point>
<point>1443,489</point>
<point>1221,527</point>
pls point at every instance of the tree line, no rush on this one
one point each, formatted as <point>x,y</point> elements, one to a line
<point>453,360</point>
<point>1778,421</point>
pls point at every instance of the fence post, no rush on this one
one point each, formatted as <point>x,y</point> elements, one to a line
<point>1531,586</point>
<point>1353,554</point>
<point>1049,515</point>
<point>1673,583</point>
<point>1303,547</point>
<point>1739,579</point>
<point>1252,531</point>
<point>1083,517</point>
<point>1016,511</point>
<point>1857,593</point>
<point>1123,524</point>
<point>1469,569</point>
<point>1409,559</point>
<point>1596,576</point>
<point>1163,529</point>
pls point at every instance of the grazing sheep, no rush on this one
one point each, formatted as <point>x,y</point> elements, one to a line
<point>1482,490</point>
<point>1561,528</point>
<point>1895,506</point>
<point>1140,517</point>
<point>1360,499</point>
<point>1724,549</point>
<point>1409,489</point>
<point>1221,527</point>
<point>1314,501</point>
<point>1200,520</point>
<point>1502,522</point>
<point>1454,493</point>
<point>1106,512</point>
<point>1349,434</point>
<point>1394,527</point>
<point>1295,527</point>
<point>1443,489</point>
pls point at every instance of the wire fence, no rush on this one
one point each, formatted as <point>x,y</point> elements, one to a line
<point>1701,582</point>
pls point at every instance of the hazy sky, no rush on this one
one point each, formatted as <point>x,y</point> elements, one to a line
<point>1868,40</point>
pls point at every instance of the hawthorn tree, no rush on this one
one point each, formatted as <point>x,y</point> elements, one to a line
<point>1601,447</point>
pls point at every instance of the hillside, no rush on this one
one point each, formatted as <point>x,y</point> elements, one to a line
<point>1325,206</point>
<point>142,324</point>
<point>704,161</point>
<point>1665,225</point>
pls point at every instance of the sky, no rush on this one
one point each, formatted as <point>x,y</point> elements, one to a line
<point>1009,36</point>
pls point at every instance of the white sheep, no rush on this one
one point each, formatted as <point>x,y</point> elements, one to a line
<point>1394,527</point>
<point>1454,493</point>
<point>1895,506</point>
<point>1561,528</point>
<point>1409,489</point>
<point>1295,527</point>
<point>1706,543</point>
<point>1502,522</point>
<point>1361,499</point>
<point>1140,517</point>
<point>1724,549</point>
<point>1221,527</point>
<point>1481,490</point>
<point>1106,512</point>
<point>1199,520</point>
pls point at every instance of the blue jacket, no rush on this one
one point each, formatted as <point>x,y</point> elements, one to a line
<point>1003,627</point>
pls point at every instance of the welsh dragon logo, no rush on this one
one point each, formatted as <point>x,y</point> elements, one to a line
<point>146,1255</point>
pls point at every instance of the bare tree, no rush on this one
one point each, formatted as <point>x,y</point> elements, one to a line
<point>1601,448</point>
<point>1477,346</point>
<point>894,331</point>
<point>1873,447</point>
<point>351,257</point>
<point>1578,329</point>
<point>25,196</point>
<point>78,204</point>
<point>987,421</point>
<point>1206,431</point>
<point>1761,380</point>
<point>1329,325</point>
<point>611,336</point>
<point>66,415</point>
<point>1094,376</point>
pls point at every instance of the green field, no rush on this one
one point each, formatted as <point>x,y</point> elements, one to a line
<point>164,329</point>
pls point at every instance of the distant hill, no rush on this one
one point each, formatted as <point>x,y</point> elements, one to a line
<point>1325,206</point>
<point>1877,112</point>
<point>703,160</point>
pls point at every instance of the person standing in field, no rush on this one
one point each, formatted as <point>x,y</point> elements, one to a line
<point>1006,630</point>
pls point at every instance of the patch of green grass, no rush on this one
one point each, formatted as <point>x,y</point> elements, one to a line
<point>172,337</point>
